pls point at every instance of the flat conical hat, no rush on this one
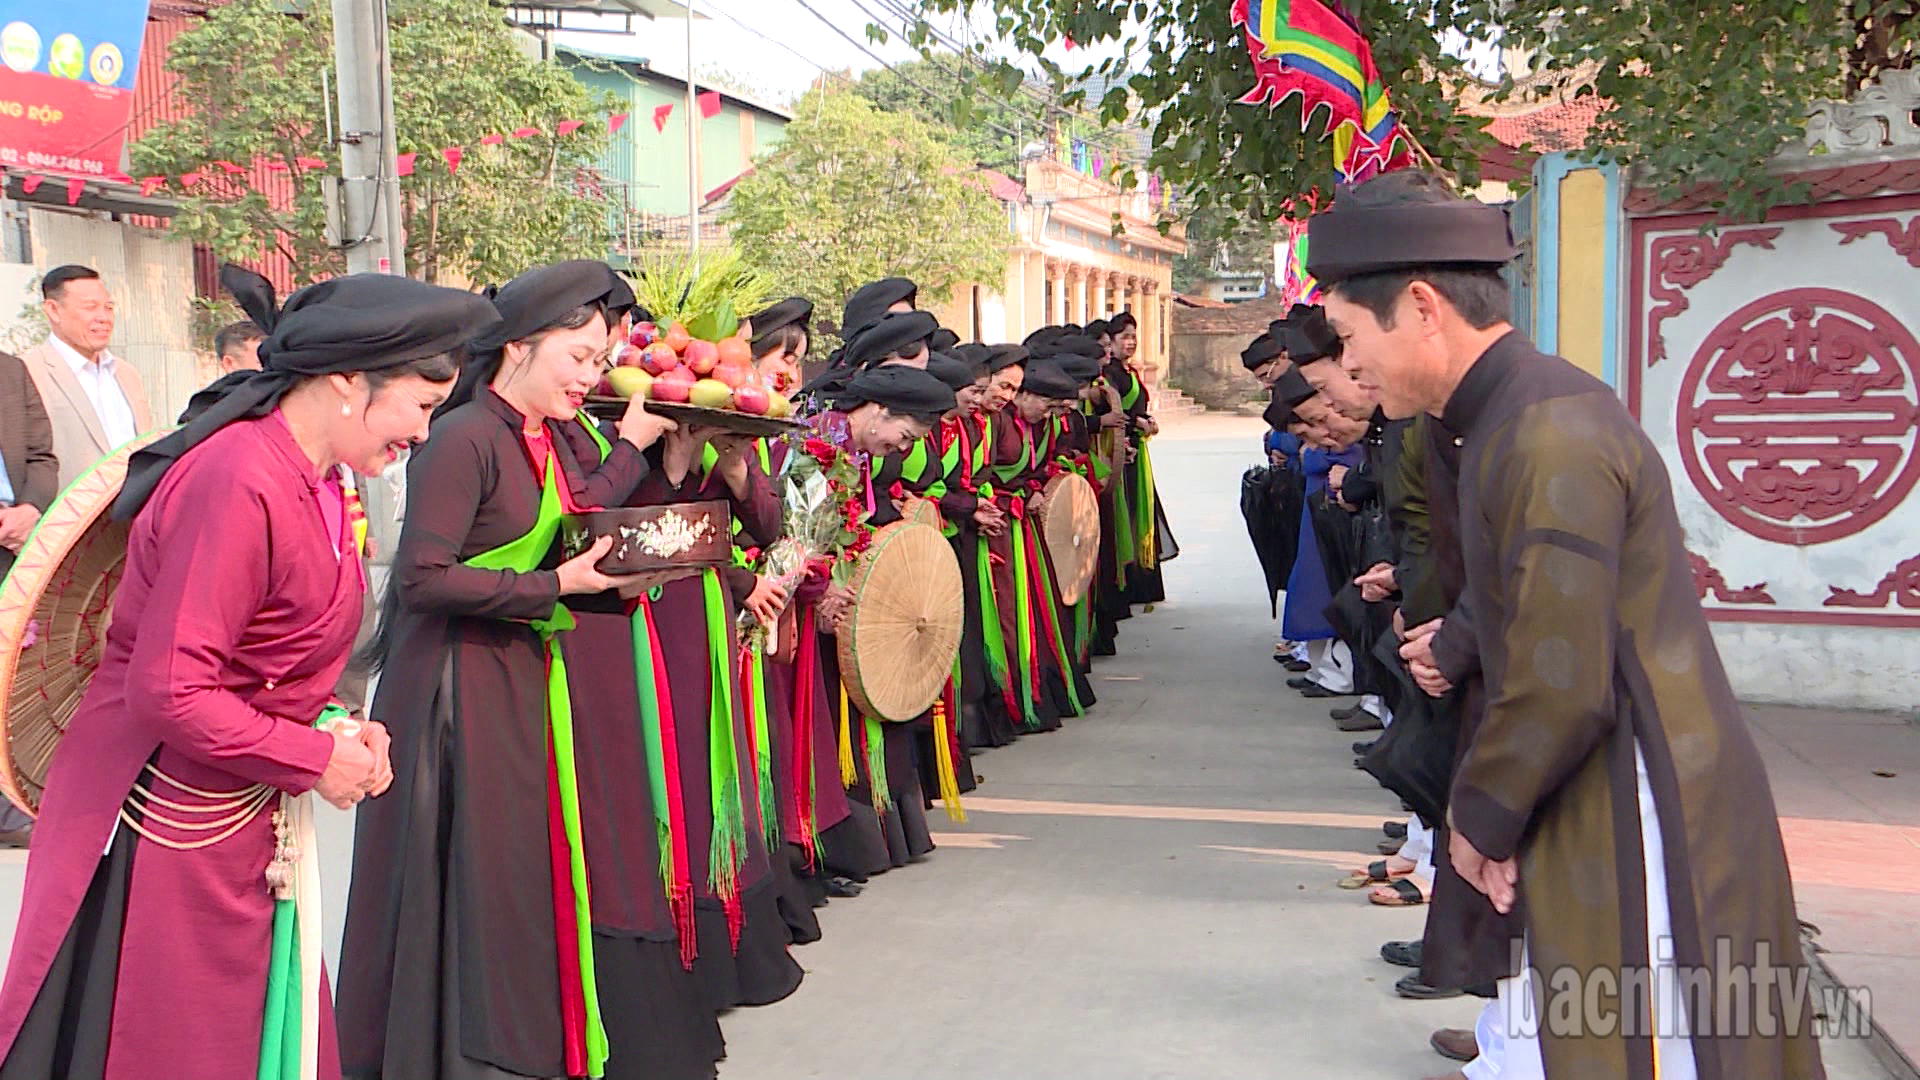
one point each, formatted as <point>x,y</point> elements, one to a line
<point>54,608</point>
<point>1070,527</point>
<point>898,642</point>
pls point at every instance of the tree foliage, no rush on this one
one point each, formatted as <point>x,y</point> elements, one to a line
<point>990,130</point>
<point>1702,94</point>
<point>854,193</point>
<point>256,79</point>
<point>1215,238</point>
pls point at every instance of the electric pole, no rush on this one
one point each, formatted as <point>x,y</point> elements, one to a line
<point>368,210</point>
<point>370,216</point>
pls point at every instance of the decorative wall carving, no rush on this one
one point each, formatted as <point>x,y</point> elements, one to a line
<point>1901,586</point>
<point>1681,262</point>
<point>1880,117</point>
<point>1796,420</point>
<point>1709,582</point>
<point>1905,240</point>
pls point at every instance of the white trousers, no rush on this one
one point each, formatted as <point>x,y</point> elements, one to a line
<point>1332,664</point>
<point>1510,1042</point>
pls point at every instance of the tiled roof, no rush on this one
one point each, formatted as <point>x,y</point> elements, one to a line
<point>1555,125</point>
<point>1249,318</point>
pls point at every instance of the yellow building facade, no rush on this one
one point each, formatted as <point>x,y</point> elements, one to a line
<point>1082,249</point>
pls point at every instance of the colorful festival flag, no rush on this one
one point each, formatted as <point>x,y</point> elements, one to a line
<point>1314,49</point>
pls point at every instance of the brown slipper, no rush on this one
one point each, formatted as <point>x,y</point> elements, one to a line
<point>1399,892</point>
<point>1456,1044</point>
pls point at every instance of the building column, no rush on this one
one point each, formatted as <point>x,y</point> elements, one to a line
<point>1062,284</point>
<point>1099,298</point>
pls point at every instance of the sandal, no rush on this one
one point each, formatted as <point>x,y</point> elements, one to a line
<point>1399,892</point>
<point>1376,873</point>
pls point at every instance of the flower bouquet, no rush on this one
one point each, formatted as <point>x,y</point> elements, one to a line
<point>823,523</point>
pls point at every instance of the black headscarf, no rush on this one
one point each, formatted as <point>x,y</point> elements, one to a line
<point>1292,387</point>
<point>1098,328</point>
<point>898,389</point>
<point>976,356</point>
<point>360,322</point>
<point>1079,367</point>
<point>943,340</point>
<point>872,300</point>
<point>951,370</point>
<point>793,311</point>
<point>1310,337</point>
<point>1347,240</point>
<point>1047,379</point>
<point>1006,356</point>
<point>1278,414</point>
<point>527,305</point>
<point>1260,352</point>
<point>620,301</point>
<point>891,333</point>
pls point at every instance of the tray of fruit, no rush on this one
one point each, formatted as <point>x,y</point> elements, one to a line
<point>693,381</point>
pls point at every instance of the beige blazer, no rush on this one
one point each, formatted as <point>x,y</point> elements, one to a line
<point>78,439</point>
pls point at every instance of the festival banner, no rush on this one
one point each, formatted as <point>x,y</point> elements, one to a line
<point>66,83</point>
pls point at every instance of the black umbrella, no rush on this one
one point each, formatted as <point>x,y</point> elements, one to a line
<point>1270,503</point>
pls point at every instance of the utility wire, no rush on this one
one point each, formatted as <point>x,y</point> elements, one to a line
<point>933,98</point>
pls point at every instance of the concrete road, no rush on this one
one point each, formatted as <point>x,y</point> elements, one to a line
<point>1147,893</point>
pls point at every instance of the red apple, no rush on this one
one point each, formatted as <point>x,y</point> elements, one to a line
<point>701,356</point>
<point>659,358</point>
<point>644,334</point>
<point>676,384</point>
<point>734,375</point>
<point>735,350</point>
<point>749,398</point>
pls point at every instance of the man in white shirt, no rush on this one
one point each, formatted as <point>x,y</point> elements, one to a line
<point>94,399</point>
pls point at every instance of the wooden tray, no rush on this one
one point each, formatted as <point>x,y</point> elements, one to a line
<point>726,419</point>
<point>646,539</point>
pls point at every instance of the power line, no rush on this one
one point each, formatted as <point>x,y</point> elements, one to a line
<point>932,97</point>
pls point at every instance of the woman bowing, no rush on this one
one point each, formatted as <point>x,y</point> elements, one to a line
<point>469,949</point>
<point>235,617</point>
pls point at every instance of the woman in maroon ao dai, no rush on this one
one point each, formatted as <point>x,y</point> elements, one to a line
<point>239,605</point>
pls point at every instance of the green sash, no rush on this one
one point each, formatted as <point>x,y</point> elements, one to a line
<point>524,555</point>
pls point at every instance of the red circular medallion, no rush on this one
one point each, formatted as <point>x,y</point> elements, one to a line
<point>1797,415</point>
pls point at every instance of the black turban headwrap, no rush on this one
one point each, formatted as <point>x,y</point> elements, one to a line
<point>943,340</point>
<point>527,305</point>
<point>1277,413</point>
<point>1097,329</point>
<point>620,300</point>
<point>1006,356</point>
<point>893,332</point>
<point>872,300</point>
<point>1347,241</point>
<point>1260,352</point>
<point>1044,336</point>
<point>1310,337</point>
<point>897,389</point>
<point>1082,369</point>
<point>976,356</point>
<point>360,322</point>
<point>1292,387</point>
<point>1047,379</point>
<point>951,370</point>
<point>793,311</point>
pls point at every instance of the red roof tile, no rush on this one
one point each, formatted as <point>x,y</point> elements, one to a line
<point>1556,125</point>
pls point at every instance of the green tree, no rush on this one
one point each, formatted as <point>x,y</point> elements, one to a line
<point>854,193</point>
<point>1216,236</point>
<point>254,76</point>
<point>1702,94</point>
<point>990,129</point>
